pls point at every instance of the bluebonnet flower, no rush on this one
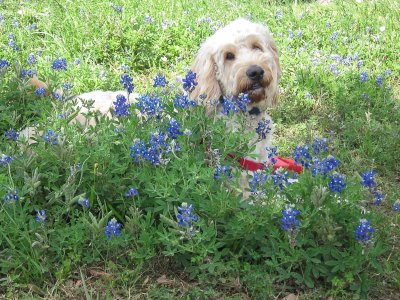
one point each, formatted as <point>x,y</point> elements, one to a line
<point>396,206</point>
<point>229,106</point>
<point>348,60</point>
<point>174,129</point>
<point>31,59</point>
<point>387,72</point>
<point>40,91</point>
<point>278,15</point>
<point>333,68</point>
<point>15,23</point>
<point>291,34</point>
<point>127,82</point>
<point>138,150</point>
<point>132,192</point>
<point>222,171</point>
<point>272,152</point>
<point>120,106</point>
<point>301,155</point>
<point>288,221</point>
<point>299,33</point>
<point>28,73</point>
<point>189,82</point>
<point>160,80</point>
<point>11,42</point>
<point>4,64</point>
<point>368,179</point>
<point>257,180</point>
<point>11,196</point>
<point>157,146</point>
<point>117,8</point>
<point>50,137</point>
<point>319,145</point>
<point>336,183</point>
<point>5,160</point>
<point>334,35</point>
<point>67,86</point>
<point>185,215</point>
<point>183,101</point>
<point>379,80</point>
<point>280,179</point>
<point>242,101</point>
<point>363,77</point>
<point>59,64</point>
<point>324,166</point>
<point>360,63</point>
<point>112,229</point>
<point>41,216</point>
<point>11,134</point>
<point>84,202</point>
<point>363,232</point>
<point>378,197</point>
<point>151,106</point>
<point>77,61</point>
<point>263,128</point>
<point>337,57</point>
<point>31,26</point>
<point>148,19</point>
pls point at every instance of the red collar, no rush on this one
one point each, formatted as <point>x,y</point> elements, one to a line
<point>281,162</point>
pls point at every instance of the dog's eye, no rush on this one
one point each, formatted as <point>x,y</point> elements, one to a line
<point>257,47</point>
<point>230,56</point>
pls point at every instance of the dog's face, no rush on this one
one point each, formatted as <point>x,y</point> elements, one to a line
<point>239,58</point>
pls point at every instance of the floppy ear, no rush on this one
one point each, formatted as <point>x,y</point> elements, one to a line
<point>276,57</point>
<point>274,51</point>
<point>204,67</point>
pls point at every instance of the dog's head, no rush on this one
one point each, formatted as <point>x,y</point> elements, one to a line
<point>240,58</point>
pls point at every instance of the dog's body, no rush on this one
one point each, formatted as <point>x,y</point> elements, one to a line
<point>240,58</point>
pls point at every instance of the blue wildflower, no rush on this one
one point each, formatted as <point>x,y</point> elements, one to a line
<point>336,183</point>
<point>379,80</point>
<point>387,72</point>
<point>77,61</point>
<point>112,229</point>
<point>174,129</point>
<point>41,216</point>
<point>257,180</point>
<point>334,35</point>
<point>50,137</point>
<point>40,92</point>
<point>151,106</point>
<point>301,155</point>
<point>84,202</point>
<point>185,215</point>
<point>138,150</point>
<point>160,80</point>
<point>368,179</point>
<point>67,86</point>
<point>378,197</point>
<point>59,64</point>
<point>11,134</point>
<point>222,171</point>
<point>280,179</point>
<point>360,63</point>
<point>396,206</point>
<point>324,166</point>
<point>11,42</point>
<point>127,82</point>
<point>263,128</point>
<point>5,160</point>
<point>183,101</point>
<point>31,26</point>
<point>28,73</point>
<point>278,15</point>
<point>31,59</point>
<point>319,145</point>
<point>242,101</point>
<point>120,106</point>
<point>363,232</point>
<point>229,106</point>
<point>117,8</point>
<point>288,221</point>
<point>363,77</point>
<point>132,192</point>
<point>189,82</point>
<point>11,196</point>
<point>272,152</point>
<point>4,64</point>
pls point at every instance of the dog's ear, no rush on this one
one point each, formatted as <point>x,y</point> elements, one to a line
<point>205,69</point>
<point>275,56</point>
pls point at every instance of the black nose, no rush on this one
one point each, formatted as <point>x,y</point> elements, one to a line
<point>255,73</point>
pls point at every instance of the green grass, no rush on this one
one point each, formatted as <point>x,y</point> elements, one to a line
<point>313,103</point>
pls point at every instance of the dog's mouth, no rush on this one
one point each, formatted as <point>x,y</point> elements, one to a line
<point>256,92</point>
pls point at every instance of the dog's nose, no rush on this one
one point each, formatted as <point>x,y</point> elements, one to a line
<point>255,73</point>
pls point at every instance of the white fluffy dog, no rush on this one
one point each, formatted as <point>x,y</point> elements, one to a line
<point>240,58</point>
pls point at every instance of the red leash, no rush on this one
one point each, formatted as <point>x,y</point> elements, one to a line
<point>280,162</point>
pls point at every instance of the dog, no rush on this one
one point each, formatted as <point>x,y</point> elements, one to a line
<point>240,58</point>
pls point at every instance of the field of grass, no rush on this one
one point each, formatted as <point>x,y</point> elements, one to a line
<point>340,81</point>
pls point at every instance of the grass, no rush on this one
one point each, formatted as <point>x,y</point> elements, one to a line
<point>321,96</point>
